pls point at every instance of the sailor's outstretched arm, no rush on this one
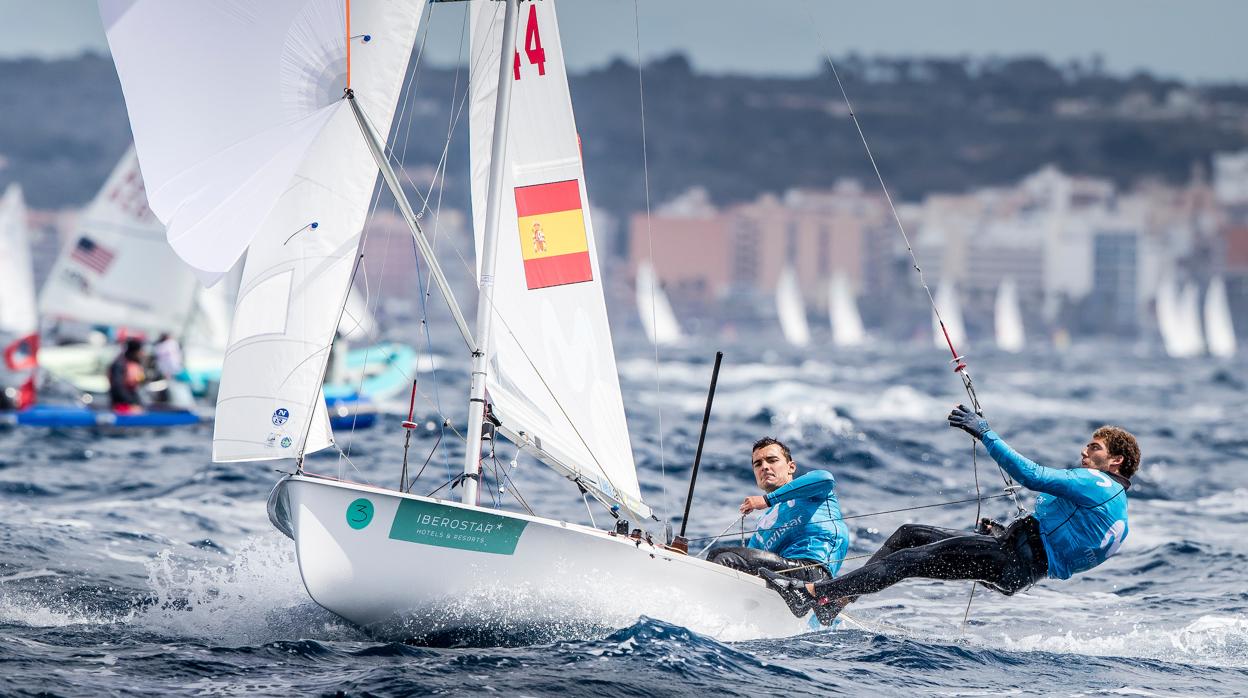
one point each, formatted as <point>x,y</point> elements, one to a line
<point>816,483</point>
<point>1079,486</point>
<point>1068,484</point>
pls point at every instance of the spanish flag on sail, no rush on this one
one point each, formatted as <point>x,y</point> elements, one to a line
<point>553,243</point>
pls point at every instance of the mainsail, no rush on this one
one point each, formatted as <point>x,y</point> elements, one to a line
<point>117,269</point>
<point>552,377</point>
<point>247,144</point>
<point>791,309</point>
<point>657,317</point>
<point>1219,330</point>
<point>847,328</point>
<point>17,287</point>
<point>1008,318</point>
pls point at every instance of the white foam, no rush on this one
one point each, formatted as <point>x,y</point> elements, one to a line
<point>256,596</point>
<point>1210,639</point>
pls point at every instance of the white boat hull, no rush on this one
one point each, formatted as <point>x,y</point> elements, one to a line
<point>423,568</point>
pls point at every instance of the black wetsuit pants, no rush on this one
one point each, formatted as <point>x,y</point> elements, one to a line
<point>751,559</point>
<point>1008,563</point>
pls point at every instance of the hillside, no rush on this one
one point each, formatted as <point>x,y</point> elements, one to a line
<point>933,124</point>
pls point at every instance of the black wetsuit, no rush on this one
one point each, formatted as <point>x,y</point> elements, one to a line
<point>1009,562</point>
<point>752,559</point>
<point>118,392</point>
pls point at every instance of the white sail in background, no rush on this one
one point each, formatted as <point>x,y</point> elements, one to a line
<point>116,269</point>
<point>791,308</point>
<point>1219,329</point>
<point>1189,319</point>
<point>18,316</point>
<point>1008,318</point>
<point>951,310</point>
<point>656,313</point>
<point>847,328</point>
<point>247,143</point>
<point>1168,324</point>
<point>552,377</point>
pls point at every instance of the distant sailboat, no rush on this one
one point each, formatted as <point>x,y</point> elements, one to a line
<point>1189,318</point>
<point>791,309</point>
<point>18,315</point>
<point>657,317</point>
<point>1219,329</point>
<point>951,312</point>
<point>117,269</point>
<point>847,328</point>
<point>1168,325</point>
<point>1008,318</point>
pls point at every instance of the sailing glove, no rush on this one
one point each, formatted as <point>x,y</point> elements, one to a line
<point>963,418</point>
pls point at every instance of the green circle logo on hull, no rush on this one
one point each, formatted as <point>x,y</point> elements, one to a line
<point>359,513</point>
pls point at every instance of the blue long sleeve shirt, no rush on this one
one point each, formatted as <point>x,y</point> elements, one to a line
<point>804,522</point>
<point>1082,512</point>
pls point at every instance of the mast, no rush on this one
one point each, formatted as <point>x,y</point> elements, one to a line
<point>489,256</point>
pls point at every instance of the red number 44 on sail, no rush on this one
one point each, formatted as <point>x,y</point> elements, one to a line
<point>532,46</point>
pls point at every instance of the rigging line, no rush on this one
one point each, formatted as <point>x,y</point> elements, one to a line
<point>645,165</point>
<point>722,534</point>
<point>875,513</point>
<point>515,491</point>
<point>412,482</point>
<point>961,367</point>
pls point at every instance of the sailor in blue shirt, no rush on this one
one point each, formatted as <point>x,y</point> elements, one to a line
<point>1080,521</point>
<point>801,532</point>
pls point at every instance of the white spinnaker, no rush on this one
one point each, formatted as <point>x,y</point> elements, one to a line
<point>552,370</point>
<point>296,277</point>
<point>116,269</point>
<point>1008,318</point>
<point>225,100</point>
<point>656,313</point>
<point>791,309</point>
<point>951,311</point>
<point>17,286</point>
<point>1219,329</point>
<point>279,168</point>
<point>847,328</point>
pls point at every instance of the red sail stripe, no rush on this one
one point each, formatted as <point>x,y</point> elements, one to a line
<point>548,198</point>
<point>559,270</point>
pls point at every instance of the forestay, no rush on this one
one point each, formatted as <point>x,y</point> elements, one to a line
<point>552,375</point>
<point>17,286</point>
<point>116,269</point>
<point>247,143</point>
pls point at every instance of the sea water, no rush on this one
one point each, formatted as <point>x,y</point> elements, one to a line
<point>130,563</point>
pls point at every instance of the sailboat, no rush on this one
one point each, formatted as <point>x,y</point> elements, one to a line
<point>791,308</point>
<point>951,312</point>
<point>1189,320</point>
<point>1008,318</point>
<point>18,318</point>
<point>1219,329</point>
<point>18,314</point>
<point>847,328</point>
<point>657,317</point>
<point>283,147</point>
<point>116,270</point>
